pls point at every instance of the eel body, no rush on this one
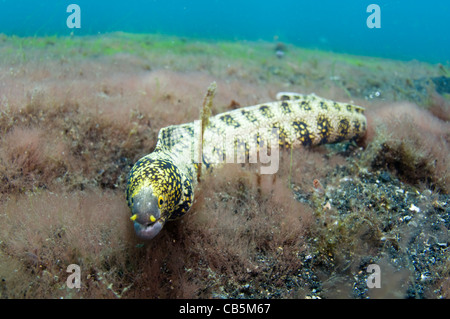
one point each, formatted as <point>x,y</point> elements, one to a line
<point>161,184</point>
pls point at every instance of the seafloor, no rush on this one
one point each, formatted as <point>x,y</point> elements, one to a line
<point>77,112</point>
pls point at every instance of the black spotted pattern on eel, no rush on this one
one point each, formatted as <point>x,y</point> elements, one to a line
<point>161,184</point>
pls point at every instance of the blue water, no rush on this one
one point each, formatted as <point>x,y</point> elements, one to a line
<point>409,29</point>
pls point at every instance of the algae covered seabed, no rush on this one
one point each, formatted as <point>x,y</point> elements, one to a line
<point>77,112</point>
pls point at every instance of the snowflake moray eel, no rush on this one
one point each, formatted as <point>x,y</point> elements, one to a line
<point>161,184</point>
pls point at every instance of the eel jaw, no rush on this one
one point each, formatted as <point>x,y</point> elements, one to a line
<point>148,231</point>
<point>146,214</point>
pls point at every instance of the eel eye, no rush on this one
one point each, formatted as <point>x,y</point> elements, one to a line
<point>160,201</point>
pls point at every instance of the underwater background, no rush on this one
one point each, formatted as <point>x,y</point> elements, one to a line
<point>409,29</point>
<point>79,107</point>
